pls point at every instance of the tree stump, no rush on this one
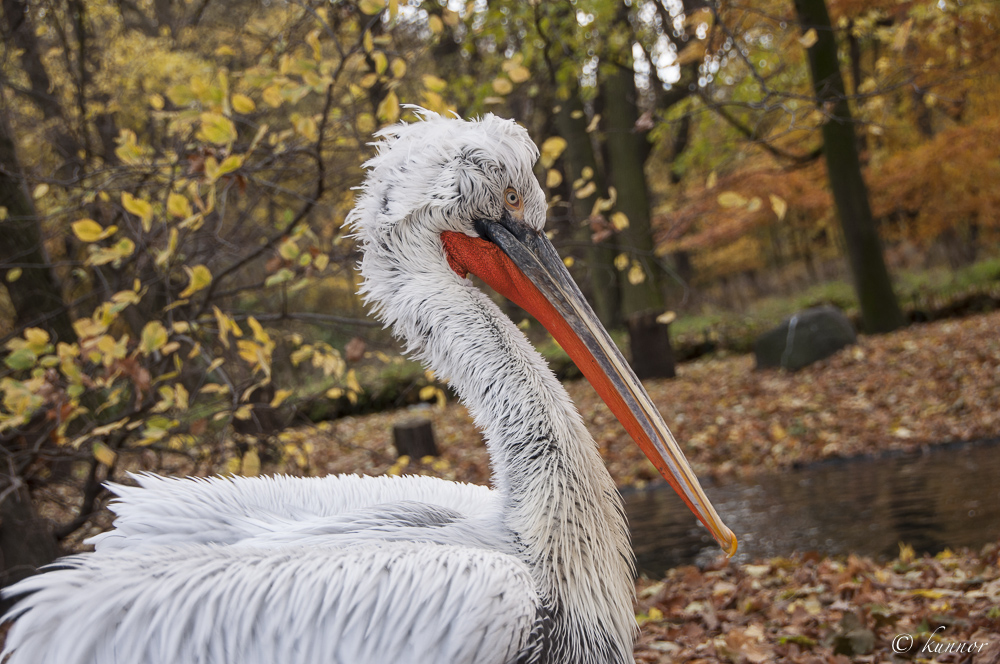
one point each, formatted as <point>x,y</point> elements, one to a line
<point>414,438</point>
<point>652,355</point>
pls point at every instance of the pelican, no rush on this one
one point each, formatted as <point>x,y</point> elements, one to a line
<point>354,569</point>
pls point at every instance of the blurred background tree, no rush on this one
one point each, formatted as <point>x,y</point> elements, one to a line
<point>178,286</point>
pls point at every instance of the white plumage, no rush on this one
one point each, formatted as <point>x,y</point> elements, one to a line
<point>350,569</point>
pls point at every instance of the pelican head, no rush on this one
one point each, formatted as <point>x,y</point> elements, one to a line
<point>446,197</point>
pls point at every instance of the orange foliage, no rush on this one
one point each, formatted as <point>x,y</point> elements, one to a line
<point>947,181</point>
<point>704,221</point>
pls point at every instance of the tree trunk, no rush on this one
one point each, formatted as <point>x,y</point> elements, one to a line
<point>879,308</point>
<point>601,273</point>
<point>36,294</point>
<point>626,150</point>
<point>26,540</point>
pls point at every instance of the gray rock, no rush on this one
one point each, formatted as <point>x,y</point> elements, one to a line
<point>804,338</point>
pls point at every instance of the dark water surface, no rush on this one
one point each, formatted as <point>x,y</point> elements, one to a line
<point>948,496</point>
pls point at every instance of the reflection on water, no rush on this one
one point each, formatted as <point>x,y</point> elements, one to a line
<point>946,497</point>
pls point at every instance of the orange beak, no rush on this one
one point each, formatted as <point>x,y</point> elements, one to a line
<point>523,266</point>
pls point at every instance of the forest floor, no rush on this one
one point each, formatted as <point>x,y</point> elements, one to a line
<point>810,610</point>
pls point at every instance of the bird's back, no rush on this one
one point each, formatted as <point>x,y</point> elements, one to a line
<point>340,509</point>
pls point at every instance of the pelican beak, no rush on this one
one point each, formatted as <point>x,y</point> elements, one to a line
<point>521,264</point>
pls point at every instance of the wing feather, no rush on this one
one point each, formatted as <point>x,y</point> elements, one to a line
<point>392,602</point>
<point>230,510</point>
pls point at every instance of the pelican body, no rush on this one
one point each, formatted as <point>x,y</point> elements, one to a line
<point>355,569</point>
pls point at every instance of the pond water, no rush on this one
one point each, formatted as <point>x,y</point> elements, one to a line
<point>946,496</point>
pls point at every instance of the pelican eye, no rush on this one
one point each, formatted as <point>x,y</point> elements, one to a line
<point>512,199</point>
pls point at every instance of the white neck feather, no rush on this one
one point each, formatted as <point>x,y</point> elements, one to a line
<point>560,503</point>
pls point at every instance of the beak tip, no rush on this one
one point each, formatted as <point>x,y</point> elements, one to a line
<point>728,542</point>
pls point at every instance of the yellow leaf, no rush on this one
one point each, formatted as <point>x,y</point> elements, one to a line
<point>777,432</point>
<point>388,109</point>
<point>371,7</point>
<point>258,331</point>
<point>163,257</point>
<point>250,466</point>
<point>279,397</point>
<point>289,250</point>
<point>153,337</point>
<point>433,83</point>
<point>272,96</point>
<point>313,40</point>
<point>754,204</point>
<point>156,101</point>
<point>88,230</point>
<point>779,206</point>
<point>552,147</point>
<point>199,277</point>
<point>435,24</point>
<point>731,199</point>
<point>569,261</point>
<point>351,379</point>
<point>229,164</point>
<point>381,62</point>
<point>427,392</point>
<point>13,275</point>
<point>619,220</point>
<point>367,41</point>
<point>502,86</point>
<point>181,397</point>
<point>553,178</point>
<point>666,318</point>
<point>713,178</point>
<point>37,339</point>
<point>104,454</point>
<point>519,74</point>
<point>586,191</point>
<point>398,68</point>
<point>366,123</point>
<point>931,593</point>
<point>636,275</point>
<point>243,104</point>
<point>178,206</point>
<point>902,35</point>
<point>809,38</point>
<point>139,208</point>
<point>40,191</point>
<point>621,262</point>
<point>216,128</point>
